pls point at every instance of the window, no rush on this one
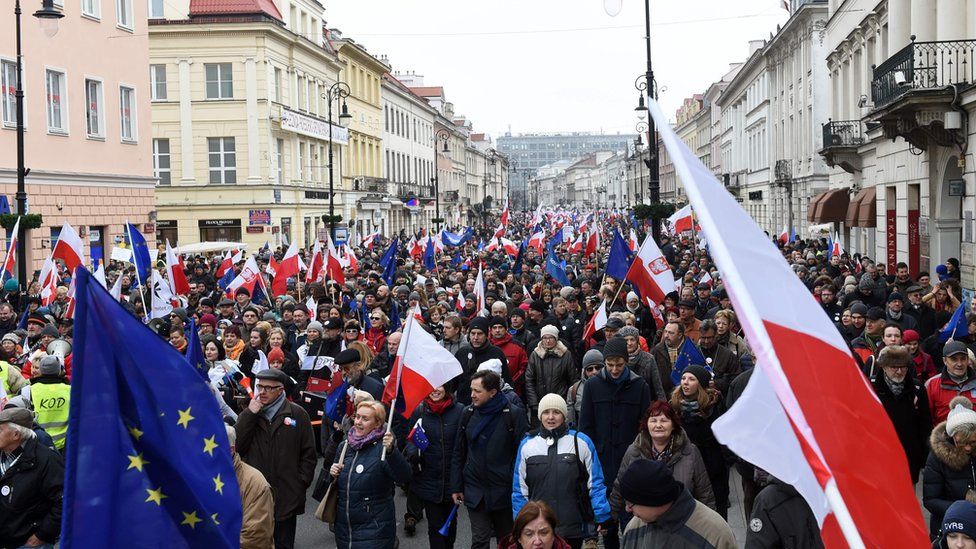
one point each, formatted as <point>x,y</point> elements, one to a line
<point>276,89</point>
<point>127,112</point>
<point>157,82</point>
<point>220,80</point>
<point>57,104</point>
<point>280,159</point>
<point>91,8</point>
<point>8,87</point>
<point>161,161</point>
<point>94,108</point>
<point>300,92</point>
<point>300,165</point>
<point>123,14</point>
<point>156,9</point>
<point>223,161</point>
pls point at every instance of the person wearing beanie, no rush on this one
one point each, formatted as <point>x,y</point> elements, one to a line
<point>895,312</point>
<point>923,363</point>
<point>49,395</point>
<point>699,405</point>
<point>614,400</point>
<point>559,457</point>
<point>665,515</point>
<point>207,325</point>
<point>870,341</point>
<point>905,401</point>
<point>476,351</point>
<point>958,529</point>
<point>948,473</point>
<point>518,359</point>
<point>551,369</point>
<point>538,315</point>
<point>592,362</point>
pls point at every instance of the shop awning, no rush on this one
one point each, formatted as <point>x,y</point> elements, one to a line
<point>852,209</point>
<point>867,209</point>
<point>829,207</point>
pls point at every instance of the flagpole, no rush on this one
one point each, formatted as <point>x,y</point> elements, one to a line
<point>399,377</point>
<point>142,286</point>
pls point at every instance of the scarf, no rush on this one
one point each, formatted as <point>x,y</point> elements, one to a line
<point>624,376</point>
<point>234,353</point>
<point>489,413</point>
<point>438,407</point>
<point>896,387</point>
<point>689,406</point>
<point>270,410</point>
<point>357,442</point>
<point>555,434</point>
<point>664,455</point>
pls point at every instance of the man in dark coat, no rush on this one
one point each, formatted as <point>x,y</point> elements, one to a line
<point>906,402</point>
<point>275,437</point>
<point>782,518</point>
<point>666,352</point>
<point>725,366</point>
<point>614,400</point>
<point>484,458</point>
<point>924,315</point>
<point>478,350</point>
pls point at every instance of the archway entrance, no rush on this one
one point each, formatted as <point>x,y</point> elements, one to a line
<point>947,213</point>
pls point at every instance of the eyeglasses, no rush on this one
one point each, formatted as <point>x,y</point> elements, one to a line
<point>267,388</point>
<point>375,318</point>
<point>592,368</point>
<point>352,330</point>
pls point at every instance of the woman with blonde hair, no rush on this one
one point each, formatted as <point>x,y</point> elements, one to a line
<point>376,334</point>
<point>726,326</point>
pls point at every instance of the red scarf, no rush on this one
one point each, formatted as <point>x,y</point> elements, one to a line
<point>438,407</point>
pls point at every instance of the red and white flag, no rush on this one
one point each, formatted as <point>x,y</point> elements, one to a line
<point>592,242</point>
<point>808,415</point>
<point>272,267</point>
<point>500,231</point>
<point>681,220</point>
<point>10,260</point>
<point>505,216</point>
<point>632,240</point>
<point>538,241</point>
<point>577,246</point>
<point>348,260</point>
<point>479,290</point>
<point>49,281</point>
<point>706,279</point>
<point>784,237</point>
<point>288,267</point>
<point>369,240</point>
<point>650,272</point>
<point>231,257</point>
<point>421,366</point>
<point>597,322</point>
<point>333,263</point>
<point>510,247</point>
<point>836,247</point>
<point>174,272</point>
<point>249,277</point>
<point>69,248</point>
<point>656,313</point>
<point>316,263</point>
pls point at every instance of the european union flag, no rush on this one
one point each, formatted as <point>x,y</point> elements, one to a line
<point>688,354</point>
<point>333,410</point>
<point>957,327</point>
<point>194,352</point>
<point>618,263</point>
<point>388,261</point>
<point>517,267</point>
<point>148,463</point>
<point>394,316</point>
<point>429,260</point>
<point>140,253</point>
<point>555,267</point>
<point>224,281</point>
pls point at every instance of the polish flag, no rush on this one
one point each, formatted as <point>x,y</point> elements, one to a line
<point>836,247</point>
<point>49,281</point>
<point>802,416</point>
<point>784,237</point>
<point>421,365</point>
<point>681,220</point>
<point>706,279</point>
<point>369,240</point>
<point>650,272</point>
<point>538,241</point>
<point>348,260</point>
<point>632,241</point>
<point>333,264</point>
<point>10,260</point>
<point>226,263</point>
<point>174,271</point>
<point>598,321</point>
<point>315,265</point>
<point>479,290</point>
<point>505,216</point>
<point>272,267</point>
<point>460,303</point>
<point>69,248</point>
<point>510,247</point>
<point>414,248</point>
<point>288,267</point>
<point>500,231</point>
<point>249,277</point>
<point>656,313</point>
<point>593,242</point>
<point>577,245</point>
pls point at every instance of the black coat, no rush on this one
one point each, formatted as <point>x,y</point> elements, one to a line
<point>33,503</point>
<point>483,471</point>
<point>949,472</point>
<point>610,415</point>
<point>909,413</point>
<point>432,475</point>
<point>725,366</point>
<point>470,358</point>
<point>781,518</point>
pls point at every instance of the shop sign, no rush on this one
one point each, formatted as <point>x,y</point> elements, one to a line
<point>258,229</point>
<point>313,127</point>
<point>211,223</point>
<point>259,217</point>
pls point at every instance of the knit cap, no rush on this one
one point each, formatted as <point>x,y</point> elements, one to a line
<point>593,356</point>
<point>276,355</point>
<point>616,347</point>
<point>960,413</point>
<point>552,401</point>
<point>315,326</point>
<point>549,330</point>
<point>628,331</point>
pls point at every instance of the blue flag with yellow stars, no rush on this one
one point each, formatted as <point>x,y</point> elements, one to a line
<point>687,355</point>
<point>194,352</point>
<point>148,463</point>
<point>140,254</point>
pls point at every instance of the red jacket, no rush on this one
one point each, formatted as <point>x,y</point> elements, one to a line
<point>924,366</point>
<point>376,339</point>
<point>518,360</point>
<point>941,389</point>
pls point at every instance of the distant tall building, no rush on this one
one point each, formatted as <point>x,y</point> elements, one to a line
<point>529,152</point>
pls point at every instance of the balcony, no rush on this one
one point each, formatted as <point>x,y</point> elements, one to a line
<point>914,91</point>
<point>841,139</point>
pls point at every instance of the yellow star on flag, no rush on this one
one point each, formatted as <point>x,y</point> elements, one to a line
<point>156,496</point>
<point>185,418</point>
<point>214,517</point>
<point>135,432</point>
<point>218,484</point>
<point>191,519</point>
<point>136,462</point>
<point>209,444</point>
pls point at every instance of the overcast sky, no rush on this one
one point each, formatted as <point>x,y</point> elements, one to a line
<point>556,65</point>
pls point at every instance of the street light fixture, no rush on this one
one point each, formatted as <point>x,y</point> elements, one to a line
<point>48,16</point>
<point>338,92</point>
<point>445,136</point>
<point>638,145</point>
<point>650,87</point>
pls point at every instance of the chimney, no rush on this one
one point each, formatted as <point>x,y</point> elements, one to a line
<point>755,45</point>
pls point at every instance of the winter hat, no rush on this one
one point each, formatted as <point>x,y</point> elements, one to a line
<point>414,296</point>
<point>960,517</point>
<point>566,291</point>
<point>316,326</point>
<point>11,337</point>
<point>896,296</point>
<point>865,283</point>
<point>850,280</point>
<point>210,320</point>
<point>50,330</point>
<point>492,365</point>
<point>549,330</point>
<point>552,401</point>
<point>276,355</point>
<point>908,336</point>
<point>960,413</point>
<point>50,366</point>
<point>538,305</point>
<point>700,373</point>
<point>615,323</point>
<point>649,482</point>
<point>616,347</point>
<point>499,321</point>
<point>593,356</point>
<point>628,331</point>
<point>632,295</point>
<point>11,285</point>
<point>859,308</point>
<point>478,323</point>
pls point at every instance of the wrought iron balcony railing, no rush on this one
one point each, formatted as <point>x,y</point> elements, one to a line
<point>842,133</point>
<point>923,65</point>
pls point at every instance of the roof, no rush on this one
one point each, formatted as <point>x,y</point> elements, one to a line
<point>477,137</point>
<point>428,91</point>
<point>396,82</point>
<point>234,7</point>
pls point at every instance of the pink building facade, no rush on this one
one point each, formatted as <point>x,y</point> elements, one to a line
<point>88,141</point>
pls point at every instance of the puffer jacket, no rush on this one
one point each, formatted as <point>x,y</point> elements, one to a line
<point>949,475</point>
<point>685,463</point>
<point>432,481</point>
<point>366,516</point>
<point>941,389</point>
<point>551,473</point>
<point>32,505</point>
<point>549,371</point>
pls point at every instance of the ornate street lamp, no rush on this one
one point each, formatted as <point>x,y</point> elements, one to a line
<point>337,93</point>
<point>445,136</point>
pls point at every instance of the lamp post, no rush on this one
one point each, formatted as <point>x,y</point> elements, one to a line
<point>491,156</point>
<point>338,93</point>
<point>441,135</point>
<point>646,85</point>
<point>638,144</point>
<point>48,16</point>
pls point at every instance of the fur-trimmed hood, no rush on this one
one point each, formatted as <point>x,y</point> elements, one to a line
<point>945,450</point>
<point>559,350</point>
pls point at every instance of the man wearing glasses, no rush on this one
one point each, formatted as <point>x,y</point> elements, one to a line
<point>275,437</point>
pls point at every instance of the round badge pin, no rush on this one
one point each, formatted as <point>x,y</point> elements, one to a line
<point>5,490</point>
<point>359,468</point>
<point>755,525</point>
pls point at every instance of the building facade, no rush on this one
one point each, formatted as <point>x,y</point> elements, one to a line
<point>87,137</point>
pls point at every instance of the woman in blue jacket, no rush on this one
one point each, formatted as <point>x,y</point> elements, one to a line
<point>560,466</point>
<point>366,516</point>
<point>434,424</point>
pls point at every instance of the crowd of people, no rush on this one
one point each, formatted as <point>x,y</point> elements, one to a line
<point>558,433</point>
